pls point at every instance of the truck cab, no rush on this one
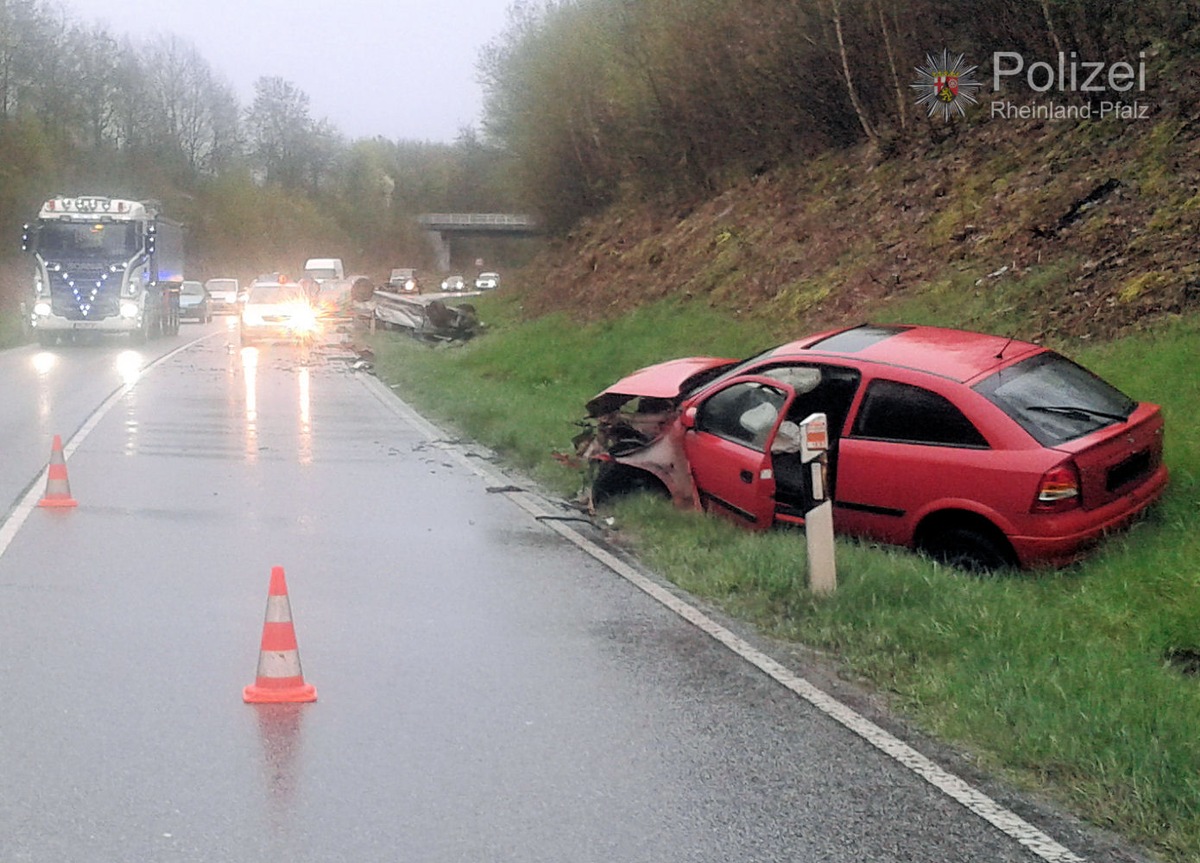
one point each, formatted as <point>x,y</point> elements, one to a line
<point>103,265</point>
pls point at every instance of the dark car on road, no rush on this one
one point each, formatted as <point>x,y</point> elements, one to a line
<point>980,450</point>
<point>194,302</point>
<point>403,280</point>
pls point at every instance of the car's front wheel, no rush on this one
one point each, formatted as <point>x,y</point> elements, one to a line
<point>614,480</point>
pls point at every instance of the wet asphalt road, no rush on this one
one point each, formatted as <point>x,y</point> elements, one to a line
<point>487,692</point>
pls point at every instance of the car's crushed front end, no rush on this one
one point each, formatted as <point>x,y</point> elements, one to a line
<point>632,432</point>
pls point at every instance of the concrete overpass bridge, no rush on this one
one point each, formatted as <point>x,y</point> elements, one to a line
<point>440,227</point>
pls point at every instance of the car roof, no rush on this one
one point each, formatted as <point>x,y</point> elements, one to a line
<point>960,355</point>
<point>295,286</point>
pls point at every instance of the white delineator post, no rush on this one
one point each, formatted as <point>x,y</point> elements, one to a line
<point>818,521</point>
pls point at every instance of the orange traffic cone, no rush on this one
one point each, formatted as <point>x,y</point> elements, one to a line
<point>279,677</point>
<point>58,490</point>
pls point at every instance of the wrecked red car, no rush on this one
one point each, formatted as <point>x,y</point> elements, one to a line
<point>979,450</point>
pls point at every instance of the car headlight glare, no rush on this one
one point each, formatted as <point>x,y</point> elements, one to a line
<point>41,309</point>
<point>129,309</point>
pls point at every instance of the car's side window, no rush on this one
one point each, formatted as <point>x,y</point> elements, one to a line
<point>744,413</point>
<point>819,388</point>
<point>910,414</point>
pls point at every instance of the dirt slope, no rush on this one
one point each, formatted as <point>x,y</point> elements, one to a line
<point>1062,228</point>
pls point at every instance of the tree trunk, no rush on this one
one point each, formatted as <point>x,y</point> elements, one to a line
<point>901,104</point>
<point>1050,27</point>
<point>868,128</point>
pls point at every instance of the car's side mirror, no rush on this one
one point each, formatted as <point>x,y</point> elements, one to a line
<point>688,418</point>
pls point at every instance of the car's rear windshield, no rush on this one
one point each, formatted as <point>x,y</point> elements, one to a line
<point>221,284</point>
<point>191,288</point>
<point>1054,399</point>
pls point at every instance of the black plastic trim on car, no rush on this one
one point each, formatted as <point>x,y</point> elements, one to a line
<point>982,447</point>
<point>869,508</point>
<point>1136,467</point>
<point>706,498</point>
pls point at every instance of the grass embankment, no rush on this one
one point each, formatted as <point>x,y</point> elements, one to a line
<point>1062,680</point>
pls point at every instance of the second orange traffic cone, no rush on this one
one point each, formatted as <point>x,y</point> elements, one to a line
<point>279,679</point>
<point>58,490</point>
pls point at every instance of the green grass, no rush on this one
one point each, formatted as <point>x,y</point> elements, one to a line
<point>520,388</point>
<point>1059,679</point>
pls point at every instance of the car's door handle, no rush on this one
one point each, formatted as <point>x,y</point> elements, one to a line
<point>747,476</point>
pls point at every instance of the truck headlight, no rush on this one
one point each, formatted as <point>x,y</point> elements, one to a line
<point>41,309</point>
<point>129,309</point>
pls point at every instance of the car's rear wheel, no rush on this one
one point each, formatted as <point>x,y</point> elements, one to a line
<point>970,547</point>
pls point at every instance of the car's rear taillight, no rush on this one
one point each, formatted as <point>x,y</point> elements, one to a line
<point>1058,489</point>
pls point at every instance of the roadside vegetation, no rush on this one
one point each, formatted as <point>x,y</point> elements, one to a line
<point>261,187</point>
<point>1080,683</point>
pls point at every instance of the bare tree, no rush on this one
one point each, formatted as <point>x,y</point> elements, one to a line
<point>867,127</point>
<point>98,64</point>
<point>278,123</point>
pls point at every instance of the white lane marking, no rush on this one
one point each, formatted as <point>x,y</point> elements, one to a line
<point>28,503</point>
<point>958,789</point>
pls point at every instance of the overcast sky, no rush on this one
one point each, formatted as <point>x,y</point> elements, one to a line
<point>403,69</point>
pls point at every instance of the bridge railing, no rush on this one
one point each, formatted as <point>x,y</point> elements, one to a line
<point>468,220</point>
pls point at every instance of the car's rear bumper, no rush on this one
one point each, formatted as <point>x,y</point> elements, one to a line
<point>1075,533</point>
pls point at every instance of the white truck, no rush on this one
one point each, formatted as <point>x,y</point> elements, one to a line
<point>322,270</point>
<point>103,265</point>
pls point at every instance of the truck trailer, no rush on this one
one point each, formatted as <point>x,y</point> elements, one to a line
<point>103,265</point>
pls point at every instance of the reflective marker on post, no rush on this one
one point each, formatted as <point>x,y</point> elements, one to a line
<point>818,521</point>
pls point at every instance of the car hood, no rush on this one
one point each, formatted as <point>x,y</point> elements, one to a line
<point>288,309</point>
<point>662,381</point>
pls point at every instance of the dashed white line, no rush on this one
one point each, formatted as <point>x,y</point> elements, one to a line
<point>28,503</point>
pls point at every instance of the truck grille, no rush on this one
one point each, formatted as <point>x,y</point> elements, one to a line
<point>83,293</point>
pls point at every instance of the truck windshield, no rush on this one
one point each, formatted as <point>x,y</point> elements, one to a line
<point>88,241</point>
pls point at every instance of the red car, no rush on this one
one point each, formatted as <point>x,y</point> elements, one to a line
<point>981,451</point>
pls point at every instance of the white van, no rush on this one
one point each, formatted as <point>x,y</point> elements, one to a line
<point>322,270</point>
